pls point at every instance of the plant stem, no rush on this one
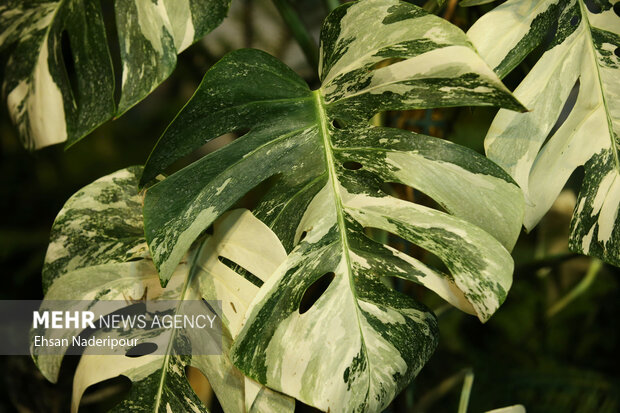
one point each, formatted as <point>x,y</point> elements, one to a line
<point>467,383</point>
<point>545,261</point>
<point>429,398</point>
<point>450,9</point>
<point>299,32</point>
<point>330,5</point>
<point>584,284</point>
<point>442,309</point>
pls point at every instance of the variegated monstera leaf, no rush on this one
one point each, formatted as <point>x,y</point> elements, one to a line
<point>41,101</point>
<point>542,148</point>
<point>361,342</point>
<point>98,252</point>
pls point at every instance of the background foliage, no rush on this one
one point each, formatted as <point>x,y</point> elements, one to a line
<point>537,351</point>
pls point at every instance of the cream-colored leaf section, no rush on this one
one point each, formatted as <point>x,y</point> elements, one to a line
<point>496,35</point>
<point>491,203</point>
<point>446,62</point>
<point>180,17</point>
<point>441,285</point>
<point>36,105</point>
<point>243,239</point>
<point>362,44</point>
<point>153,22</point>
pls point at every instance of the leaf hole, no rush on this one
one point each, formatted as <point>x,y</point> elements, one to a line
<point>252,198</point>
<point>101,396</point>
<point>199,384</point>
<point>209,147</point>
<point>302,236</point>
<point>593,6</point>
<point>574,21</point>
<point>617,51</point>
<point>387,62</point>
<point>352,165</point>
<point>241,271</point>
<point>69,63</point>
<point>141,349</point>
<point>337,124</point>
<point>408,193</point>
<point>617,10</point>
<point>315,291</point>
<point>111,32</point>
<point>565,112</point>
<point>408,247</point>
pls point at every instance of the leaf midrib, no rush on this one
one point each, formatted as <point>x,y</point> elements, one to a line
<point>166,361</point>
<point>323,130</point>
<point>592,50</point>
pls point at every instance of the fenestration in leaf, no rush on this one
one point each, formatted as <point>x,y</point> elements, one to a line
<point>583,56</point>
<point>39,95</point>
<point>123,270</point>
<point>378,339</point>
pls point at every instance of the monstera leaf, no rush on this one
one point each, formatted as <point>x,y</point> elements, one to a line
<point>361,342</point>
<point>98,252</point>
<point>542,148</point>
<point>41,101</point>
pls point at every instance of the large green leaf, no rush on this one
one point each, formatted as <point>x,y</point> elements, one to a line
<point>97,253</point>
<point>542,148</point>
<point>329,167</point>
<point>39,94</point>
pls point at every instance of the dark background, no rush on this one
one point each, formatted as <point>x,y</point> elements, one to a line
<point>560,362</point>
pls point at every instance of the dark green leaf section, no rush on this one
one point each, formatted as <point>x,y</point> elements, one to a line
<point>37,88</point>
<point>568,21</point>
<point>46,106</point>
<point>280,133</point>
<point>539,28</point>
<point>243,87</point>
